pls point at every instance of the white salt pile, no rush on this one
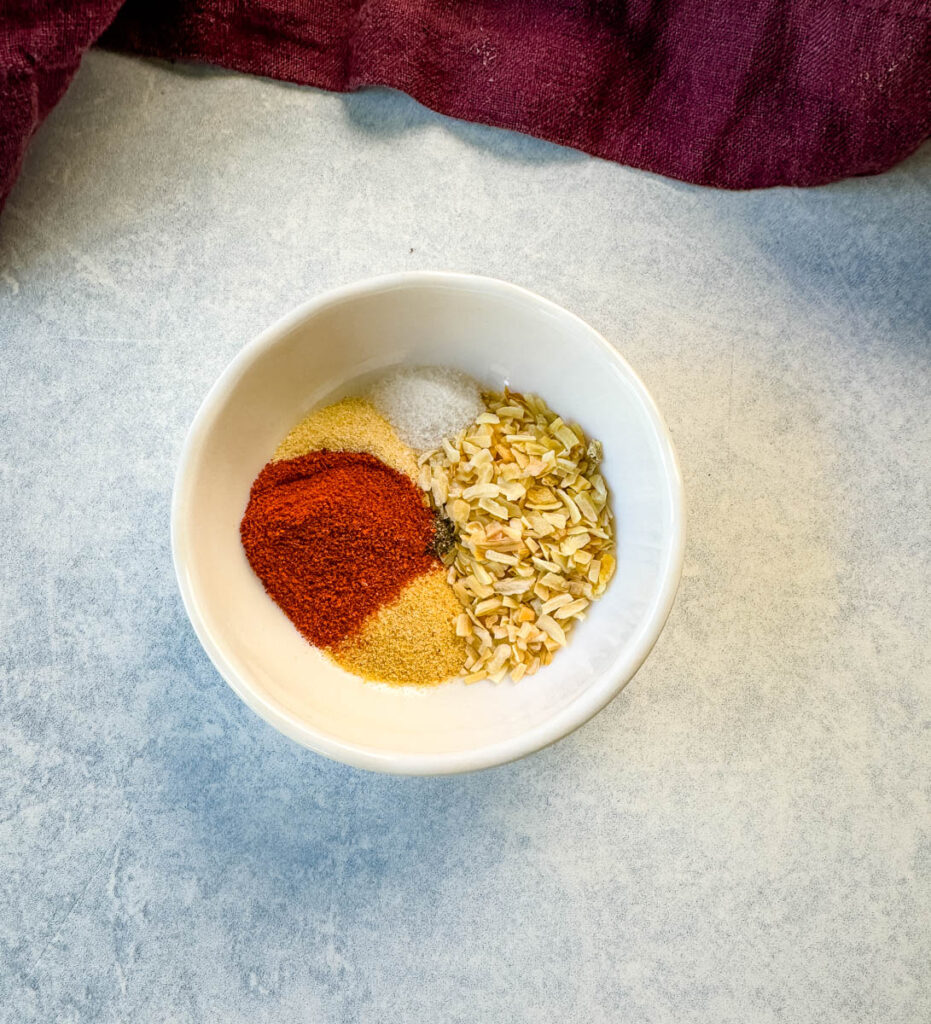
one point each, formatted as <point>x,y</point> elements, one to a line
<point>424,404</point>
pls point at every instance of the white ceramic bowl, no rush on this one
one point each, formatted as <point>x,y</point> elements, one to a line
<point>500,334</point>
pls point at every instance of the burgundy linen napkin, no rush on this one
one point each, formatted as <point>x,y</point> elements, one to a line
<point>41,44</point>
<point>730,93</point>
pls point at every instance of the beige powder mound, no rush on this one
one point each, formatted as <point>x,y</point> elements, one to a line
<point>411,640</point>
<point>352,425</point>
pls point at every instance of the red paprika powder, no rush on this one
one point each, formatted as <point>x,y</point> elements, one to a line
<point>333,536</point>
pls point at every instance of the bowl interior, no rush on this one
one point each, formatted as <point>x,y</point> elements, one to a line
<point>499,334</point>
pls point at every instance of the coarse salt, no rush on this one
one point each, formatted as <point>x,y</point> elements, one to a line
<point>427,404</point>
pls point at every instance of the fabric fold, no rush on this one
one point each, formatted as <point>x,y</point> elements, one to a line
<point>728,93</point>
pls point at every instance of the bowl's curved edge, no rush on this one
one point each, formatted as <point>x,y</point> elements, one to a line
<point>572,717</point>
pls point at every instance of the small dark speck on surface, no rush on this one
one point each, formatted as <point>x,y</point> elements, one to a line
<point>444,536</point>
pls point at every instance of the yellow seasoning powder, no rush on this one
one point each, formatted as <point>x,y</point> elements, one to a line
<point>411,640</point>
<point>352,425</point>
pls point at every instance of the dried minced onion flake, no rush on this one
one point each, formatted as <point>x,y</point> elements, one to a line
<point>535,534</point>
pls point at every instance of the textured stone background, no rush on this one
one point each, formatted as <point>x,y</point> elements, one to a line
<point>742,836</point>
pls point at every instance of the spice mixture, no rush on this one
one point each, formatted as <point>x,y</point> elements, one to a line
<point>471,556</point>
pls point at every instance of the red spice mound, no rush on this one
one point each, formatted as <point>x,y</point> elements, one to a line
<point>333,536</point>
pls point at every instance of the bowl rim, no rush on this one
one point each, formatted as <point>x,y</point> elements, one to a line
<point>571,717</point>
